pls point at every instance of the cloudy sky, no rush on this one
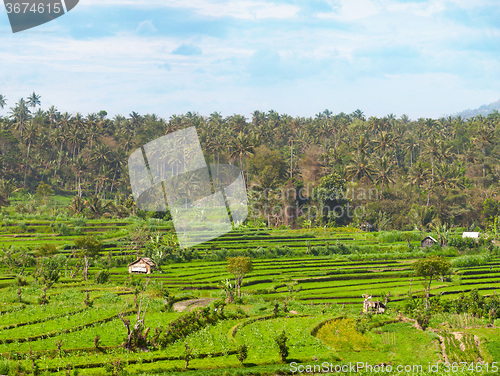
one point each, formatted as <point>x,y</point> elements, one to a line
<point>420,58</point>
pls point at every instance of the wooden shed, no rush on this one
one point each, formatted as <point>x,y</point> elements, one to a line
<point>428,241</point>
<point>143,265</point>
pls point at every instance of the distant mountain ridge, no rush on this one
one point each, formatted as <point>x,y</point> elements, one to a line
<point>484,110</point>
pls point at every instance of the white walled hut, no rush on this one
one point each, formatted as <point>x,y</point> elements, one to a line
<point>143,265</point>
<point>428,241</point>
<point>473,235</point>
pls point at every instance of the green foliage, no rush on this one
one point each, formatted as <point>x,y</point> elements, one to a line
<point>61,228</point>
<point>283,349</point>
<point>239,267</point>
<point>468,244</point>
<point>430,268</point>
<point>102,277</point>
<point>46,249</point>
<point>187,324</point>
<point>242,353</point>
<point>329,195</point>
<point>88,245</point>
<point>48,271</point>
<point>470,260</point>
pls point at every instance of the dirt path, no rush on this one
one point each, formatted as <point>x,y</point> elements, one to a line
<point>191,304</point>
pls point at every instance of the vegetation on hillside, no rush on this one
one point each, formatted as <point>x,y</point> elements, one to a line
<point>400,173</point>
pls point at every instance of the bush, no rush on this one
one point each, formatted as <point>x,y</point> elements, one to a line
<point>47,249</point>
<point>423,319</point>
<point>4,367</point>
<point>80,222</point>
<point>102,277</point>
<point>467,243</point>
<point>62,228</point>
<point>242,353</point>
<point>282,347</point>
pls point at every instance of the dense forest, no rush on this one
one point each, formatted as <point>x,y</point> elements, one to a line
<point>403,173</point>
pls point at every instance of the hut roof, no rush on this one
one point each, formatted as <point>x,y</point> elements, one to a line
<point>146,260</point>
<point>430,237</point>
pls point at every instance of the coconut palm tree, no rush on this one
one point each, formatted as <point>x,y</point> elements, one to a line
<point>384,170</point>
<point>385,141</point>
<point>3,101</point>
<point>484,138</point>
<point>360,167</point>
<point>20,114</point>
<point>33,101</point>
<point>30,136</point>
<point>418,175</point>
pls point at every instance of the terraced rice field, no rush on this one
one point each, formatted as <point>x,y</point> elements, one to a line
<point>323,294</point>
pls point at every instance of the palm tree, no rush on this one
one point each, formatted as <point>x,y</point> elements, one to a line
<point>52,114</point>
<point>384,171</point>
<point>359,167</point>
<point>484,138</point>
<point>418,175</point>
<point>385,141</point>
<point>241,146</point>
<point>20,114</point>
<point>3,101</point>
<point>33,101</point>
<point>97,205</point>
<point>358,114</point>
<point>77,205</point>
<point>30,136</point>
<point>432,148</point>
<point>362,146</point>
<point>411,147</point>
<point>449,176</point>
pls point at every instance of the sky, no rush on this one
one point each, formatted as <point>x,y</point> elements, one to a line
<point>300,57</point>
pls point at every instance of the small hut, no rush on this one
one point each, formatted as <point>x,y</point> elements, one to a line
<point>143,265</point>
<point>429,241</point>
<point>367,226</point>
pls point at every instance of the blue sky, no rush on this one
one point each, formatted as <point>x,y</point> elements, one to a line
<point>420,58</point>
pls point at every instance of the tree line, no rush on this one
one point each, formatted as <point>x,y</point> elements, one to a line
<point>425,171</point>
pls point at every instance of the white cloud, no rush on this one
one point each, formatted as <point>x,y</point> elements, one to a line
<point>242,9</point>
<point>337,67</point>
<point>351,10</point>
<point>146,27</point>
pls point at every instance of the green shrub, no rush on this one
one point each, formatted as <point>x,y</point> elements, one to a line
<point>46,249</point>
<point>4,367</point>
<point>80,222</point>
<point>281,340</point>
<point>242,353</point>
<point>102,277</point>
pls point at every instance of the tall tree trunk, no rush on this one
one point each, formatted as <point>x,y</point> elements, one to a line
<point>85,267</point>
<point>26,167</point>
